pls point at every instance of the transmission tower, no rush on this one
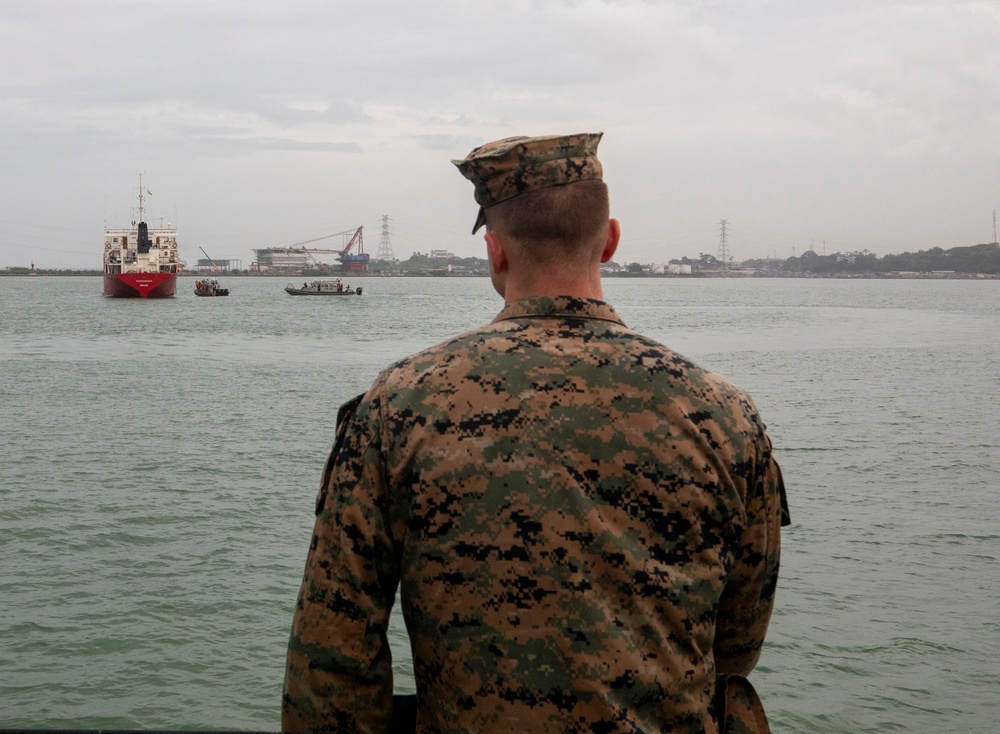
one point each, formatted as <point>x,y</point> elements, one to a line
<point>384,246</point>
<point>994,226</point>
<point>723,246</point>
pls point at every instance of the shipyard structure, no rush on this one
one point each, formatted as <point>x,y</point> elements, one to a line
<point>349,258</point>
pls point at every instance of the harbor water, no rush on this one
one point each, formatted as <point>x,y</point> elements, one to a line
<point>159,462</point>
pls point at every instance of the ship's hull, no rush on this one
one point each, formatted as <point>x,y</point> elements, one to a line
<point>140,285</point>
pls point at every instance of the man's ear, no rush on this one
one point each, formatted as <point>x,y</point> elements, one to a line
<point>497,255</point>
<point>614,235</point>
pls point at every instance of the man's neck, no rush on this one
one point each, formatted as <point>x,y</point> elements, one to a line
<point>589,287</point>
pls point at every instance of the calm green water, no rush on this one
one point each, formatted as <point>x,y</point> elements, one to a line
<point>159,463</point>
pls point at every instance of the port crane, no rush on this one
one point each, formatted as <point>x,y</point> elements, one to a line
<point>351,262</point>
<point>217,268</point>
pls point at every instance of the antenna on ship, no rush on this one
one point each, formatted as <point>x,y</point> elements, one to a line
<point>141,218</point>
<point>384,246</point>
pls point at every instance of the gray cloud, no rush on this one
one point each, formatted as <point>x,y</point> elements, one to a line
<point>873,125</point>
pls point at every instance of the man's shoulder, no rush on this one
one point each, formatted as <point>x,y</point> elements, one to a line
<point>444,353</point>
<point>657,357</point>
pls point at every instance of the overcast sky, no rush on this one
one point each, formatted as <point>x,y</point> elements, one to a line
<point>837,125</point>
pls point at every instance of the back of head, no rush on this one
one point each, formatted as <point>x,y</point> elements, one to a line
<point>556,222</point>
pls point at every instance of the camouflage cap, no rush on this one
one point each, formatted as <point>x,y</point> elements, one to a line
<point>507,168</point>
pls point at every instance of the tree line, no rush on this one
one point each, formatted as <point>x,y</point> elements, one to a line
<point>983,259</point>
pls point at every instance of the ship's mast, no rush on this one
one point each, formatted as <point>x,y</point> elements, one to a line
<point>140,199</point>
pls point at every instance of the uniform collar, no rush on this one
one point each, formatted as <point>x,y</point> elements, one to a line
<point>558,307</point>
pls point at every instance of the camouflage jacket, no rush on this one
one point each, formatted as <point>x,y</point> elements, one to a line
<point>583,525</point>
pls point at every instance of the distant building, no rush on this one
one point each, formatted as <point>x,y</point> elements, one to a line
<point>206,264</point>
<point>442,255</point>
<point>282,258</point>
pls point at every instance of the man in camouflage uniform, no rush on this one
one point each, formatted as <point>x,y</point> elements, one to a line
<point>583,525</point>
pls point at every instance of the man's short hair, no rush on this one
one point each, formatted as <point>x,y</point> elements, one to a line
<point>555,221</point>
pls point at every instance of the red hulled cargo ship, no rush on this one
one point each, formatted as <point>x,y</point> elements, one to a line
<point>141,261</point>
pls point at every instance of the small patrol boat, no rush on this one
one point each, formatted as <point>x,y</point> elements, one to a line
<point>209,287</point>
<point>323,288</point>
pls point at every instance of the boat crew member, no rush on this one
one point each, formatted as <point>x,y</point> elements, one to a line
<point>582,524</point>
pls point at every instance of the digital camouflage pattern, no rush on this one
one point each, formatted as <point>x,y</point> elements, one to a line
<point>506,168</point>
<point>584,527</point>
